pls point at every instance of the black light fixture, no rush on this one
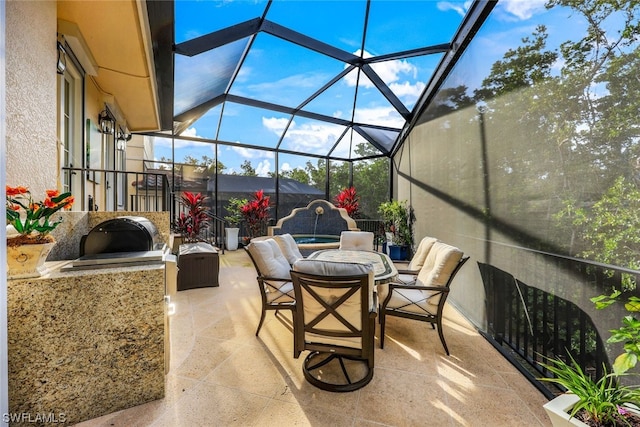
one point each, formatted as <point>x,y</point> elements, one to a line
<point>105,122</point>
<point>62,58</point>
<point>123,136</point>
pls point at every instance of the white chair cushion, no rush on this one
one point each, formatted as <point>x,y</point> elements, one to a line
<point>356,240</point>
<point>289,247</point>
<point>421,253</point>
<point>441,260</point>
<point>283,294</point>
<point>269,259</point>
<point>414,301</point>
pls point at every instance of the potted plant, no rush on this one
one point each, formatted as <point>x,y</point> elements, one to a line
<point>233,218</point>
<point>256,214</point>
<point>606,401</point>
<point>589,402</point>
<point>398,227</point>
<point>349,200</point>
<point>190,224</point>
<point>29,223</point>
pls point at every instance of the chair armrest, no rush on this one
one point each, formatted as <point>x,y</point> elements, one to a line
<point>374,309</point>
<point>394,285</point>
<point>402,271</point>
<point>275,279</point>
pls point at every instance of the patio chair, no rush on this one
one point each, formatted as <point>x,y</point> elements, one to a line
<point>410,273</point>
<point>425,298</point>
<point>335,321</point>
<point>274,279</point>
<point>289,247</point>
<point>356,240</point>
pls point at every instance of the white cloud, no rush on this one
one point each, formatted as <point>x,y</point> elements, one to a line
<point>250,153</point>
<point>192,132</point>
<point>457,7</point>
<point>274,124</point>
<point>406,89</point>
<point>400,75</point>
<point>383,116</point>
<point>522,9</point>
<point>263,168</point>
<point>312,138</point>
<point>285,167</point>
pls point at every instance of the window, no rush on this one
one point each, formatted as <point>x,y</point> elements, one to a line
<point>70,91</point>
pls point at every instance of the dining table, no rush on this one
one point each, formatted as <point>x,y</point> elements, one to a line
<point>383,268</point>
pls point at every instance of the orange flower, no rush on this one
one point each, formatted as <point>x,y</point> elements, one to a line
<point>68,202</point>
<point>28,216</point>
<point>14,191</point>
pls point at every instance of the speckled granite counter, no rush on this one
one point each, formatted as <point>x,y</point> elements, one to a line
<point>86,343</point>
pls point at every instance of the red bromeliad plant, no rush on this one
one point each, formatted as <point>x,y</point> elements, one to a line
<point>32,219</point>
<point>190,224</point>
<point>349,200</point>
<point>256,213</point>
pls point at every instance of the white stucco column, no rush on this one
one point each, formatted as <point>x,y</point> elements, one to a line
<point>4,370</point>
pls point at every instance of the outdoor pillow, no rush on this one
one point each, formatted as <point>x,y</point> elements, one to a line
<point>269,258</point>
<point>289,247</point>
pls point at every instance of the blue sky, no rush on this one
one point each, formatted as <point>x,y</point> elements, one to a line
<point>276,72</point>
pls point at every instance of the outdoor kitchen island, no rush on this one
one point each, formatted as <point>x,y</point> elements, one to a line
<point>86,343</point>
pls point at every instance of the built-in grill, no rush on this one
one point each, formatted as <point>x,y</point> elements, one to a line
<point>126,240</point>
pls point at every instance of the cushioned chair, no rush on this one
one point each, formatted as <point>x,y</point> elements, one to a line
<point>274,278</point>
<point>356,240</point>
<point>289,247</point>
<point>425,298</point>
<point>409,273</point>
<point>335,321</point>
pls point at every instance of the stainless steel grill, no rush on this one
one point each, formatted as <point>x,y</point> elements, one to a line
<point>122,241</point>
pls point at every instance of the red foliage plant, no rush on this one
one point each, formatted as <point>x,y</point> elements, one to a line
<point>195,219</point>
<point>256,213</point>
<point>349,200</point>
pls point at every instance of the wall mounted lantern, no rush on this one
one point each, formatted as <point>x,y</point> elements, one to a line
<point>123,136</point>
<point>106,122</point>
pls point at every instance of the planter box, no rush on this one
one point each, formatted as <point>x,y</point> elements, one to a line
<point>396,253</point>
<point>559,408</point>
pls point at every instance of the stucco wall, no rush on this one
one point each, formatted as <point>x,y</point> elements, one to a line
<point>31,94</point>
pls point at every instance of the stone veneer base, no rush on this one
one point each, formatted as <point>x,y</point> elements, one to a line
<point>86,343</point>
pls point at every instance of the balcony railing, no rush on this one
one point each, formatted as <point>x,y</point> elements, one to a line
<point>529,325</point>
<point>120,190</point>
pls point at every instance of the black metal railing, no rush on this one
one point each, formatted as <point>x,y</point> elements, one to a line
<point>376,226</point>
<point>119,190</point>
<point>530,326</point>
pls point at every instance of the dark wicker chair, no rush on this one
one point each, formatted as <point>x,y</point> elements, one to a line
<point>424,299</point>
<point>335,321</point>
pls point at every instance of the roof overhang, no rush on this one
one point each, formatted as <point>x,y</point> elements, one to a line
<point>122,45</point>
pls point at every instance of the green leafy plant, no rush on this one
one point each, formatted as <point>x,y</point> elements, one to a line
<point>398,219</point>
<point>190,224</point>
<point>605,401</point>
<point>32,219</point>
<point>234,211</point>
<point>628,333</point>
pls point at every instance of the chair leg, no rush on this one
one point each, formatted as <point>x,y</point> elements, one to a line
<point>444,344</point>
<point>382,322</point>
<point>264,312</point>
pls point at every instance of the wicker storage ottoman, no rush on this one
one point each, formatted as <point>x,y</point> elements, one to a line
<point>198,266</point>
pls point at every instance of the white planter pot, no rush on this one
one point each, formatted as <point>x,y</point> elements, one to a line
<point>231,238</point>
<point>559,409</point>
